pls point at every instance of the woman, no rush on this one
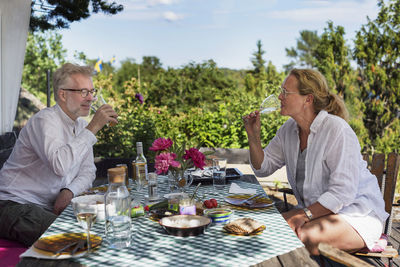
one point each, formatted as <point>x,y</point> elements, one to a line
<point>339,201</point>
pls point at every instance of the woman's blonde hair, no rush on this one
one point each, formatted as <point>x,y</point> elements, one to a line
<point>313,82</point>
<point>61,77</point>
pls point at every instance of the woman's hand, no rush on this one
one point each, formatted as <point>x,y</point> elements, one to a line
<point>253,128</point>
<point>252,124</point>
<point>296,219</point>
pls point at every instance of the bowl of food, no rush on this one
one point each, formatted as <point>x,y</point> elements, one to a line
<point>219,215</point>
<point>97,200</point>
<point>157,214</point>
<point>185,225</point>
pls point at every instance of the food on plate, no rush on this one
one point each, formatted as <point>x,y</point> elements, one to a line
<point>210,203</point>
<point>244,226</point>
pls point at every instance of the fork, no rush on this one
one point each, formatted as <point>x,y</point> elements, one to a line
<point>66,247</point>
<point>250,198</point>
<point>81,244</point>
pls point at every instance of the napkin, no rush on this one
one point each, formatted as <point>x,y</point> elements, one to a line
<point>236,189</point>
<point>207,172</point>
<point>32,252</point>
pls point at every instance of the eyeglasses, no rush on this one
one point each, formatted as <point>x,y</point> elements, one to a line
<point>286,92</point>
<point>84,92</point>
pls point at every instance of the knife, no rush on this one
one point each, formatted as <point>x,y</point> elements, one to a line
<point>250,198</point>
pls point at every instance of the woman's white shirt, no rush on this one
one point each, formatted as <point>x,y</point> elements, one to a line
<point>336,176</point>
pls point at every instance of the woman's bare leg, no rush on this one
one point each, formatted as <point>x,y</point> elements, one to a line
<point>331,229</point>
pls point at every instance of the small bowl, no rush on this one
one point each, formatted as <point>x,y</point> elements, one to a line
<point>97,200</point>
<point>219,215</point>
<point>185,225</point>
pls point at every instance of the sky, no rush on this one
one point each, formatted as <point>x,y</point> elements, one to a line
<point>182,31</point>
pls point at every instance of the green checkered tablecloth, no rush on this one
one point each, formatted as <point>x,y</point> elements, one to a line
<point>152,246</point>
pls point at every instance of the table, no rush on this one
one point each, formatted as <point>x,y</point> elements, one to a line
<point>151,246</point>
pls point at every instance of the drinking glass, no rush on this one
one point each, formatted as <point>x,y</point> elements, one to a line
<point>271,103</point>
<point>86,214</point>
<point>138,178</point>
<point>219,173</point>
<point>97,102</point>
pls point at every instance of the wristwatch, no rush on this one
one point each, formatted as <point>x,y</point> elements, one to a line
<point>308,213</point>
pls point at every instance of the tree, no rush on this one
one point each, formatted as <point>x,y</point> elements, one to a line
<point>257,60</point>
<point>58,14</point>
<point>377,52</point>
<point>44,51</point>
<point>332,58</point>
<point>303,54</point>
<point>194,85</point>
<point>128,70</point>
<point>150,67</point>
<point>259,80</point>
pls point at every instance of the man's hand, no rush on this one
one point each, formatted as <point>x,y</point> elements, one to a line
<point>105,114</point>
<point>62,201</point>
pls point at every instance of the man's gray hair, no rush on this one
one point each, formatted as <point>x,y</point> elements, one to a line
<point>61,77</point>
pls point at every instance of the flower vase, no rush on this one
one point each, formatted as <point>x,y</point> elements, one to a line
<point>179,180</point>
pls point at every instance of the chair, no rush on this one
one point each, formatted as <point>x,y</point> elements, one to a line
<point>340,256</point>
<point>7,142</point>
<point>387,178</point>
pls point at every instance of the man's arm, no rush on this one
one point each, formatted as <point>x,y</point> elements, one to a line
<point>82,181</point>
<point>62,201</point>
<point>51,145</point>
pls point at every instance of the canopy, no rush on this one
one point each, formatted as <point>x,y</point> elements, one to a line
<point>14,23</point>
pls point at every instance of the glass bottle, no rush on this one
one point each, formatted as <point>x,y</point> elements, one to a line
<point>118,209</point>
<point>140,165</point>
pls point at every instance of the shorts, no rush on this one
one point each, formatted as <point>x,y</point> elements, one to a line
<point>368,227</point>
<point>24,223</point>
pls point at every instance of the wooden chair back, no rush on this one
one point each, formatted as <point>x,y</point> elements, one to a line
<point>386,172</point>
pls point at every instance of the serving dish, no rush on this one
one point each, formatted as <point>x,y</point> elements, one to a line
<point>185,225</point>
<point>231,174</point>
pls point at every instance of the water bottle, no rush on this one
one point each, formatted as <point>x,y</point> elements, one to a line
<point>118,207</point>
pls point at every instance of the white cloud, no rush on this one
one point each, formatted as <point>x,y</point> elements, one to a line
<point>160,2</point>
<point>171,16</point>
<point>320,11</point>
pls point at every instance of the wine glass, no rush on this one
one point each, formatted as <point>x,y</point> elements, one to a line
<point>97,102</point>
<point>86,214</point>
<point>271,103</point>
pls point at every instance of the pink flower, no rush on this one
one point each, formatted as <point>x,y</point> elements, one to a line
<point>197,157</point>
<point>161,144</point>
<point>164,161</point>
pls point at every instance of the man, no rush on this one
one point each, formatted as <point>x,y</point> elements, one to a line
<point>52,160</point>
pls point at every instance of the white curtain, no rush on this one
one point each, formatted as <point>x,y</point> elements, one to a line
<point>14,23</point>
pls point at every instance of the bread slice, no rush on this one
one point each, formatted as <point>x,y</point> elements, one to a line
<point>243,226</point>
